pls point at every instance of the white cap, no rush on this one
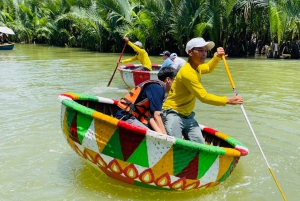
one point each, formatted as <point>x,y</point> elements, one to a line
<point>138,43</point>
<point>173,55</point>
<point>198,42</point>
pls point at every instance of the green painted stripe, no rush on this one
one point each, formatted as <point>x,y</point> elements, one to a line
<point>113,147</point>
<point>83,124</point>
<point>234,142</point>
<point>140,155</point>
<point>182,156</point>
<point>76,106</point>
<point>206,160</point>
<point>87,97</point>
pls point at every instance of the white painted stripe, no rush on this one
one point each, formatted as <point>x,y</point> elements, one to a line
<point>105,100</point>
<point>61,98</point>
<point>157,145</point>
<point>89,140</point>
<point>212,174</point>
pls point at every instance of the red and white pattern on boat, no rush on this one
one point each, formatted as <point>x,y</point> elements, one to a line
<point>133,77</point>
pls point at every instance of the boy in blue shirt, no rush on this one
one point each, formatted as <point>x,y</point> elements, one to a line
<point>135,111</point>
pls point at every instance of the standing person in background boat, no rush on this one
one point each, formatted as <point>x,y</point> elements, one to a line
<point>141,55</point>
<point>178,108</point>
<point>178,62</point>
<point>143,104</point>
<point>167,61</point>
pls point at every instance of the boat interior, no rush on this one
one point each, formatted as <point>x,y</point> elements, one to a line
<point>111,109</point>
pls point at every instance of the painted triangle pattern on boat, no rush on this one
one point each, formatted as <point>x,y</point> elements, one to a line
<point>129,143</point>
<point>140,156</point>
<point>191,170</point>
<point>89,139</point>
<point>113,147</point>
<point>72,121</point>
<point>211,174</point>
<point>188,155</point>
<point>85,122</point>
<point>206,160</point>
<point>156,149</point>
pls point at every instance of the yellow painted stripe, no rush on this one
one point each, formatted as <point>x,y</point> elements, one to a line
<point>105,127</point>
<point>232,152</point>
<point>164,165</point>
<point>224,164</point>
<point>74,96</point>
<point>221,135</point>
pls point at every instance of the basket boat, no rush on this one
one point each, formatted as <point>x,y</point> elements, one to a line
<point>140,156</point>
<point>132,77</point>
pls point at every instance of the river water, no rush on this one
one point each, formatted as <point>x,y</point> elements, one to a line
<point>36,163</point>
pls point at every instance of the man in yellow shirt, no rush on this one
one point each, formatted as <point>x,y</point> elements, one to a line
<point>178,115</point>
<point>141,55</point>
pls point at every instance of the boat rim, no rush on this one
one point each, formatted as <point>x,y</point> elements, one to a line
<point>238,149</point>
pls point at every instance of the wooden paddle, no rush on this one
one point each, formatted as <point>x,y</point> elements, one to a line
<point>249,124</point>
<point>117,65</point>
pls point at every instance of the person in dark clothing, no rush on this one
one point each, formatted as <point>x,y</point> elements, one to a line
<point>4,39</point>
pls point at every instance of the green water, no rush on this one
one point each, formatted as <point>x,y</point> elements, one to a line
<point>36,163</point>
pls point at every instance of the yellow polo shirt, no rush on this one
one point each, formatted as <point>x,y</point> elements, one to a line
<point>187,87</point>
<point>141,55</point>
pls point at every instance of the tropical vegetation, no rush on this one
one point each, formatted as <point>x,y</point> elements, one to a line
<point>100,25</point>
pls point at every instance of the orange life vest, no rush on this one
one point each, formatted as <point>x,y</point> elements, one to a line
<point>140,110</point>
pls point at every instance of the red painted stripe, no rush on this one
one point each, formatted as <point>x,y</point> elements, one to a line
<point>140,76</point>
<point>244,152</point>
<point>191,170</point>
<point>67,95</point>
<point>210,130</point>
<point>132,128</point>
<point>115,102</point>
<point>117,176</point>
<point>73,130</point>
<point>130,66</point>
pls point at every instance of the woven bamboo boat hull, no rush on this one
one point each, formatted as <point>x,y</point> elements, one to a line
<point>132,77</point>
<point>143,157</point>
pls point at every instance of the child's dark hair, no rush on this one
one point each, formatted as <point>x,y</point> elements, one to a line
<point>166,72</point>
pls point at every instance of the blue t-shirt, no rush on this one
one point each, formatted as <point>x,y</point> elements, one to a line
<point>155,94</point>
<point>167,63</point>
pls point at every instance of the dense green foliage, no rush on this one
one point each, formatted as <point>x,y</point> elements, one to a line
<point>159,24</point>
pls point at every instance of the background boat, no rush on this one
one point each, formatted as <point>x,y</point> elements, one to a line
<point>140,156</point>
<point>133,77</point>
<point>7,46</point>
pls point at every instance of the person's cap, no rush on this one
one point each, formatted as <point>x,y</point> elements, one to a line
<point>138,43</point>
<point>198,42</point>
<point>165,53</point>
<point>173,55</point>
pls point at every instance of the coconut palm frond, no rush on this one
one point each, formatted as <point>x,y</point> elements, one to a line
<point>200,29</point>
<point>275,22</point>
<point>120,9</point>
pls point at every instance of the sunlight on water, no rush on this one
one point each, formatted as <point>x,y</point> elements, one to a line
<point>38,164</point>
